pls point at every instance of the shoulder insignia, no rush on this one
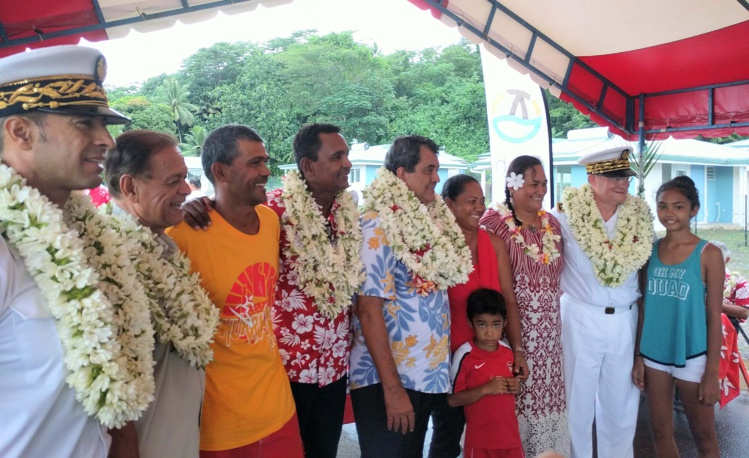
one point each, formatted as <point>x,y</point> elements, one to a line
<point>560,207</point>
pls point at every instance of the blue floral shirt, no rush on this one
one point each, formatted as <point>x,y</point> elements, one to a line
<point>417,326</point>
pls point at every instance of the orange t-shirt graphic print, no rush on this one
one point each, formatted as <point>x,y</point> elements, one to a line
<point>247,394</point>
<point>249,300</point>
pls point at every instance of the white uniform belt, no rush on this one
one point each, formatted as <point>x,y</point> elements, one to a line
<point>601,309</point>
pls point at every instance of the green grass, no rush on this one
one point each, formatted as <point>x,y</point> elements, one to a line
<point>734,239</point>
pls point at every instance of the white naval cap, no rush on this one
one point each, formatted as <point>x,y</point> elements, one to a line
<point>57,79</point>
<point>609,162</point>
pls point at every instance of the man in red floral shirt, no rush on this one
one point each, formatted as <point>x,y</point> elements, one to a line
<point>320,270</point>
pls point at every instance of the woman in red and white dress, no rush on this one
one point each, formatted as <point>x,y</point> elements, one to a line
<point>532,237</point>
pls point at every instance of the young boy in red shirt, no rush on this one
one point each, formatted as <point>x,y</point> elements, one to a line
<point>483,381</point>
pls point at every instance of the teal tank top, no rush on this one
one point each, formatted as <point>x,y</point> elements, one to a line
<point>675,326</point>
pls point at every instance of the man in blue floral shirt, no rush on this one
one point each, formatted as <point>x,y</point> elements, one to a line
<point>411,252</point>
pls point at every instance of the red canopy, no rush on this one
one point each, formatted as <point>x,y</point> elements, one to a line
<point>37,23</point>
<point>681,67</point>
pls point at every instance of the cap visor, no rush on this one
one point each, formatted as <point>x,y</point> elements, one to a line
<point>110,116</point>
<point>619,173</point>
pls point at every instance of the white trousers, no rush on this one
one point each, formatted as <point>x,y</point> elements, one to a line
<point>598,355</point>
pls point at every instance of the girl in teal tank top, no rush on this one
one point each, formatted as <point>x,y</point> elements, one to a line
<point>681,323</point>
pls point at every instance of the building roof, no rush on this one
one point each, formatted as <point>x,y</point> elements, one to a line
<point>741,144</point>
<point>364,154</point>
<point>675,151</point>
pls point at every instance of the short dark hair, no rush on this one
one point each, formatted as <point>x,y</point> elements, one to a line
<point>307,141</point>
<point>455,185</point>
<point>685,186</point>
<point>486,301</point>
<point>131,155</point>
<point>221,146</point>
<point>406,152</point>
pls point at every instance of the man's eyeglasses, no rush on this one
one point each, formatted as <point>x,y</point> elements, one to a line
<point>618,180</point>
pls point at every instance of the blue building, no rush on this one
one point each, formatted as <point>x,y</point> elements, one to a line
<point>720,172</point>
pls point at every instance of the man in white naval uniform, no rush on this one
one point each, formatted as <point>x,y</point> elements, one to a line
<point>608,236</point>
<point>53,116</point>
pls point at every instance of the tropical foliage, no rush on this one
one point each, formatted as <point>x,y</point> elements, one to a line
<point>194,140</point>
<point>175,96</point>
<point>643,164</point>
<point>277,86</point>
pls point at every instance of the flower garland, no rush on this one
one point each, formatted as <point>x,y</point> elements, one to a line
<point>544,256</point>
<point>425,238</point>
<point>181,310</point>
<point>613,260</point>
<point>100,372</point>
<point>109,254</point>
<point>329,273</point>
<point>732,280</point>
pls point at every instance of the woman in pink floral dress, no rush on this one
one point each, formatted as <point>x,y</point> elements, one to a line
<point>532,237</point>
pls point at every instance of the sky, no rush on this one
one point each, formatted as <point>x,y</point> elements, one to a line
<point>391,24</point>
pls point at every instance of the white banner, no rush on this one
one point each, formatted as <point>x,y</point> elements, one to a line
<point>518,121</point>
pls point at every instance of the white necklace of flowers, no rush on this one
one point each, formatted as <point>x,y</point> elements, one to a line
<point>731,282</point>
<point>544,256</point>
<point>613,260</point>
<point>109,383</point>
<point>329,273</point>
<point>182,311</point>
<point>109,254</point>
<point>425,238</point>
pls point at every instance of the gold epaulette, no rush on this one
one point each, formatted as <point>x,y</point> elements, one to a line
<point>560,207</point>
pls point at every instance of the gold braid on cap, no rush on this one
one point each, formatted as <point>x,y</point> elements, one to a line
<point>611,165</point>
<point>57,92</point>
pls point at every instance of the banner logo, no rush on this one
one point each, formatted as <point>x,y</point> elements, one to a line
<point>512,120</point>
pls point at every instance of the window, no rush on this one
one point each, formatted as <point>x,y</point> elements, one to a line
<point>665,172</point>
<point>354,176</point>
<point>678,170</point>
<point>564,180</point>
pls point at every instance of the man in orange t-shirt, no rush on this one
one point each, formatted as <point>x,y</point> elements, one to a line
<point>248,409</point>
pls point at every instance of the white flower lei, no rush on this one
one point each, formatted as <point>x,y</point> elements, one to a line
<point>425,238</point>
<point>548,240</point>
<point>329,273</point>
<point>109,254</point>
<point>613,260</point>
<point>100,371</point>
<point>182,312</point>
<point>731,281</point>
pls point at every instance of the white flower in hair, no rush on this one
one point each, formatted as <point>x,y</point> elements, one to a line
<point>514,181</point>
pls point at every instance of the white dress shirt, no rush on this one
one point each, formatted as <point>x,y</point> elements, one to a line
<point>578,278</point>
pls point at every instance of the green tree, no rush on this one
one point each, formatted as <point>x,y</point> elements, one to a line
<point>734,137</point>
<point>152,86</point>
<point>210,68</point>
<point>333,78</point>
<point>259,99</point>
<point>563,117</point>
<point>194,140</point>
<point>175,96</point>
<point>143,114</point>
<point>441,95</point>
